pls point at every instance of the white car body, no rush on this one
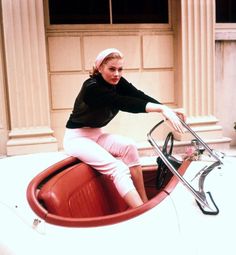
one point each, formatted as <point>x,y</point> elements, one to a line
<point>175,226</point>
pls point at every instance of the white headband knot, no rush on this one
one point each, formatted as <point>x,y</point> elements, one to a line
<point>103,54</point>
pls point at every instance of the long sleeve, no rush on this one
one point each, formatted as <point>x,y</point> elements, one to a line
<point>124,97</point>
<point>99,102</point>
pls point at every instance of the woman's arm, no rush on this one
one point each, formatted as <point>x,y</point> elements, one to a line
<point>128,88</point>
<point>171,115</point>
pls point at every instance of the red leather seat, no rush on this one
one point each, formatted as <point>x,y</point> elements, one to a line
<point>80,191</point>
<point>72,194</point>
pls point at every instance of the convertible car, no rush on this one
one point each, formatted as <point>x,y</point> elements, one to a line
<point>52,203</point>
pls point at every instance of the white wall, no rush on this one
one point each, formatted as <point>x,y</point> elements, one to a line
<point>226,86</point>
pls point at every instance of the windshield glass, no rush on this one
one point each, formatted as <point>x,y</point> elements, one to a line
<point>173,149</point>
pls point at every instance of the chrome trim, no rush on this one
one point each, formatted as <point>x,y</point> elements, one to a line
<point>200,194</point>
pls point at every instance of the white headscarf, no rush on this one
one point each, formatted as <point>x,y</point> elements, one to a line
<point>103,54</point>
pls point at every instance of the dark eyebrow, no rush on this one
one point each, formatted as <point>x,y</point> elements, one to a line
<point>121,67</point>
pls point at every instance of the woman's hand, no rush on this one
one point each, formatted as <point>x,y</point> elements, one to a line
<point>181,115</point>
<point>173,116</point>
<point>169,114</point>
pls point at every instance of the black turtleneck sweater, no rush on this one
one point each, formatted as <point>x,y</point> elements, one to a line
<point>98,102</point>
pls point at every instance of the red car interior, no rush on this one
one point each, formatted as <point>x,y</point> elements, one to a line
<point>71,193</point>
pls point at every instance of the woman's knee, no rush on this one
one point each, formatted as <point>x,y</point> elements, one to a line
<point>131,147</point>
<point>130,153</point>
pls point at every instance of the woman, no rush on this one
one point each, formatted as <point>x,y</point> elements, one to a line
<point>101,97</point>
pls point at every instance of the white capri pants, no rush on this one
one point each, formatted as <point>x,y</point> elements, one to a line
<point>109,154</point>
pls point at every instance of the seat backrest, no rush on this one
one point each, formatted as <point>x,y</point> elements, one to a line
<point>81,191</point>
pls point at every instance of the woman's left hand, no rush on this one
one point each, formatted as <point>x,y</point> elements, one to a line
<point>180,114</point>
<point>173,115</point>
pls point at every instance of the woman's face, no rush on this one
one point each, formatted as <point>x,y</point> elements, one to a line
<point>111,71</point>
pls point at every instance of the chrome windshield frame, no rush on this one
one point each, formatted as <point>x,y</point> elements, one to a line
<point>200,195</point>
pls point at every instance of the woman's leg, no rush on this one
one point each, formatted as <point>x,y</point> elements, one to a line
<point>125,149</point>
<point>133,199</point>
<point>100,159</point>
<point>137,177</point>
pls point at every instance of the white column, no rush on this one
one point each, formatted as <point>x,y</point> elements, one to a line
<point>27,80</point>
<point>198,66</point>
<point>3,102</point>
<point>198,51</point>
